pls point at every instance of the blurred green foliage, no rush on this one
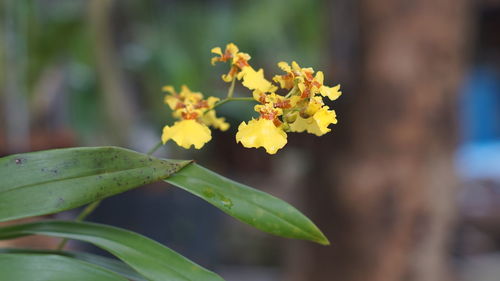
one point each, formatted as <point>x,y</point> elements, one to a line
<point>157,43</point>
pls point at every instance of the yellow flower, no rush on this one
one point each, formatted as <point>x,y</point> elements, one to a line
<point>186,133</point>
<point>316,124</point>
<point>238,60</point>
<point>230,52</point>
<point>211,119</point>
<point>180,100</point>
<point>293,74</point>
<point>261,133</point>
<point>196,115</point>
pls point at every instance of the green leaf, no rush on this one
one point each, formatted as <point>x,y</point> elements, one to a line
<point>51,181</point>
<point>107,263</point>
<point>249,205</point>
<point>151,259</point>
<point>29,267</point>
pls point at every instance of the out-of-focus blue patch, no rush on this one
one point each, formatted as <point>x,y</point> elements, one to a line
<point>478,157</point>
<point>476,161</point>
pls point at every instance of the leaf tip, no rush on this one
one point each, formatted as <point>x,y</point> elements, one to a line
<point>321,239</point>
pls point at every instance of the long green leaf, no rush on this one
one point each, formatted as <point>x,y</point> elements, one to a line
<point>51,181</point>
<point>107,263</point>
<point>30,267</point>
<point>249,205</point>
<point>151,259</point>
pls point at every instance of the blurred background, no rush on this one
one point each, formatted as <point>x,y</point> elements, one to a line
<point>406,187</point>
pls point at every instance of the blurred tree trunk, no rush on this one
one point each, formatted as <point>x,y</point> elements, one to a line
<point>385,194</point>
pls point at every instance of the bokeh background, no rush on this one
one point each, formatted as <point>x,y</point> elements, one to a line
<point>407,185</point>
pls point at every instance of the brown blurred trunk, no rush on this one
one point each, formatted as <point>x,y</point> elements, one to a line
<point>387,194</point>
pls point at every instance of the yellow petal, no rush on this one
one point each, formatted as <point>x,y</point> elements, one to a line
<point>217,51</point>
<point>227,78</point>
<point>212,101</point>
<point>284,83</point>
<point>284,66</point>
<point>319,77</point>
<point>254,80</point>
<point>168,89</point>
<point>232,48</point>
<point>300,124</point>
<point>186,133</point>
<point>171,101</point>
<point>317,124</point>
<point>211,119</point>
<point>315,104</point>
<point>296,67</point>
<point>331,92</point>
<point>261,133</point>
<point>214,60</point>
<point>322,119</point>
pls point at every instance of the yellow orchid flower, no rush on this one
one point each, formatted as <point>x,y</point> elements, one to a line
<point>302,109</point>
<point>261,133</point>
<point>195,114</point>
<point>187,133</point>
<point>239,60</point>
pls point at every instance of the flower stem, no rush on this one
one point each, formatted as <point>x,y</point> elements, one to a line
<point>83,215</point>
<point>230,91</point>
<point>226,100</point>
<point>154,148</point>
<point>293,91</point>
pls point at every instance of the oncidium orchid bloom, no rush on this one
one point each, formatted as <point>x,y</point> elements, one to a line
<point>195,114</point>
<point>300,109</point>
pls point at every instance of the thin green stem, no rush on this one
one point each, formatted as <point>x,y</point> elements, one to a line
<point>226,100</point>
<point>230,91</point>
<point>293,91</point>
<point>155,148</point>
<point>82,216</point>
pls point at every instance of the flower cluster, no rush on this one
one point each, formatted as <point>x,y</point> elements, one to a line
<point>300,108</point>
<point>195,114</point>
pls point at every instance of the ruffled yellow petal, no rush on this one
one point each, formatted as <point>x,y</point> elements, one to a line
<point>319,77</point>
<point>217,51</point>
<point>190,96</point>
<point>261,133</point>
<point>254,80</point>
<point>284,66</point>
<point>296,68</point>
<point>332,93</point>
<point>317,124</point>
<point>211,101</point>
<point>313,106</point>
<point>286,82</point>
<point>300,124</point>
<point>232,48</point>
<point>211,119</point>
<point>171,101</point>
<point>322,119</point>
<point>168,89</point>
<point>186,133</point>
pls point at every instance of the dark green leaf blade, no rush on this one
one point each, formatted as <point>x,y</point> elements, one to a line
<point>249,205</point>
<point>107,263</point>
<point>29,267</point>
<point>51,181</point>
<point>149,258</point>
